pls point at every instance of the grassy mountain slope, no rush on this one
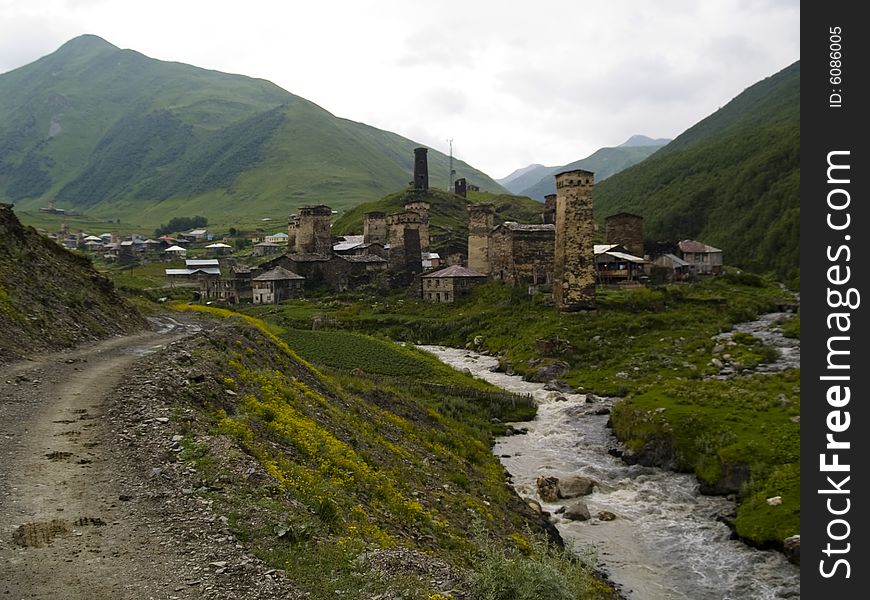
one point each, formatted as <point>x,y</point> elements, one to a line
<point>731,181</point>
<point>120,135</point>
<point>50,297</point>
<point>604,162</point>
<point>447,213</point>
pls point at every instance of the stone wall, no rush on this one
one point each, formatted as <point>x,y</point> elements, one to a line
<point>574,265</point>
<point>522,254</point>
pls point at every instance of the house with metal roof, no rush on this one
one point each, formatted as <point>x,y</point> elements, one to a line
<point>673,267</point>
<point>614,265</point>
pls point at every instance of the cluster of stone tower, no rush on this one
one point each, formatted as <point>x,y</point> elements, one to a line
<point>574,268</point>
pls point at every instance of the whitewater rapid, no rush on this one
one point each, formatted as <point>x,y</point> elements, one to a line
<point>665,543</point>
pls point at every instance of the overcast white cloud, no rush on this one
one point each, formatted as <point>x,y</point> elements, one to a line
<point>511,82</point>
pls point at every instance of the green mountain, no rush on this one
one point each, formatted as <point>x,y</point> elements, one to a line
<point>536,181</point>
<point>118,135</point>
<point>731,181</point>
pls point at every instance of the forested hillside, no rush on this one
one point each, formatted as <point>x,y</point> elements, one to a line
<point>731,181</point>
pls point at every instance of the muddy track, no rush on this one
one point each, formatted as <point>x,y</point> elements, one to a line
<point>70,528</point>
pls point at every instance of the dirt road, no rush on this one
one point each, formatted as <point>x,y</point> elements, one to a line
<point>79,514</point>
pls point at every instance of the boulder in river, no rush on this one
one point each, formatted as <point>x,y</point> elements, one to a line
<point>548,488</point>
<point>557,385</point>
<point>573,486</point>
<point>605,515</point>
<point>548,372</point>
<point>577,511</point>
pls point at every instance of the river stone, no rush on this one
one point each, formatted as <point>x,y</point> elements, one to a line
<point>548,488</point>
<point>557,385</point>
<point>791,546</point>
<point>578,511</point>
<point>548,372</point>
<point>534,505</point>
<point>573,486</point>
<point>605,515</point>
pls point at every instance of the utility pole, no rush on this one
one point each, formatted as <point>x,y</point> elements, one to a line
<point>451,172</point>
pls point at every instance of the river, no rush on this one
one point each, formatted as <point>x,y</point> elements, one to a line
<point>665,543</point>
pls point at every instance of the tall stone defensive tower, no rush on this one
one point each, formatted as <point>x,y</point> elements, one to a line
<point>375,227</point>
<point>574,285</point>
<point>421,208</point>
<point>549,216</point>
<point>481,220</point>
<point>421,169</point>
<point>313,233</point>
<point>625,229</point>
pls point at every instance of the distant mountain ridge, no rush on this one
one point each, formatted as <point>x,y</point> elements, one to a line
<point>732,180</point>
<point>642,140</point>
<point>536,181</point>
<point>121,135</point>
<point>519,173</point>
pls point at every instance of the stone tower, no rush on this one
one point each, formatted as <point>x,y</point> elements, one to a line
<point>574,261</point>
<point>421,208</point>
<point>459,187</point>
<point>313,233</point>
<point>549,216</point>
<point>625,229</point>
<point>481,220</point>
<point>292,228</point>
<point>421,169</point>
<point>375,227</point>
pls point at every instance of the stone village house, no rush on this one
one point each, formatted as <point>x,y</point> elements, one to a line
<point>275,285</point>
<point>447,284</point>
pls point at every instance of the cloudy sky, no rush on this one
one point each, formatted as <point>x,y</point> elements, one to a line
<point>511,82</point>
